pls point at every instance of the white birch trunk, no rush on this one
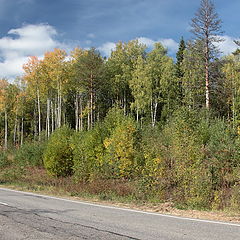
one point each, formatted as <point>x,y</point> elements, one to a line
<point>76,113</point>
<point>15,131</point>
<point>6,131</point>
<point>52,116</point>
<point>56,115</point>
<point>155,113</point>
<point>22,131</point>
<point>88,117</point>
<point>152,114</point>
<point>48,118</point>
<point>39,115</point>
<point>81,115</point>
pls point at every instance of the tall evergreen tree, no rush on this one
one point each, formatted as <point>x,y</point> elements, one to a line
<point>179,68</point>
<point>206,26</point>
<point>180,56</point>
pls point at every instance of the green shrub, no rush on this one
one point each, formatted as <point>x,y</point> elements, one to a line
<point>30,154</point>
<point>156,175</point>
<point>108,150</point>
<point>58,157</point>
<point>88,152</point>
<point>121,149</point>
<point>4,161</point>
<point>12,174</point>
<point>222,161</point>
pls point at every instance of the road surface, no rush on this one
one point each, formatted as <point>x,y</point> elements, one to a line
<point>32,216</point>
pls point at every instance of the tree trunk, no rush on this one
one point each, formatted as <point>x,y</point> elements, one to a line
<point>35,122</point>
<point>152,114</point>
<point>155,113</point>
<point>15,131</point>
<point>18,134</point>
<point>207,77</point>
<point>39,115</point>
<point>22,125</point>
<point>56,114</point>
<point>6,131</point>
<point>91,101</point>
<point>88,117</point>
<point>48,118</point>
<point>76,113</point>
<point>59,107</point>
<point>52,116</point>
<point>124,103</point>
<point>81,116</point>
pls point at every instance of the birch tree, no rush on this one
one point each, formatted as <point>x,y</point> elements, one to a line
<point>120,67</point>
<point>33,80</point>
<point>140,84</point>
<point>232,84</point>
<point>161,73</point>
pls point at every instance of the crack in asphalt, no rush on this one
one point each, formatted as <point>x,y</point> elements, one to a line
<point>33,212</point>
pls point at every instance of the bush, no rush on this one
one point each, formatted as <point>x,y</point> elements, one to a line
<point>30,155</point>
<point>58,156</point>
<point>4,162</point>
<point>222,161</point>
<point>106,151</point>
<point>121,152</point>
<point>174,166</point>
<point>88,152</point>
<point>156,176</point>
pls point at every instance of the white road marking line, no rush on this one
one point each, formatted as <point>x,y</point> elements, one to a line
<point>5,204</point>
<point>123,209</point>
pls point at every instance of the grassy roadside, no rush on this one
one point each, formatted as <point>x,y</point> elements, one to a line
<point>107,192</point>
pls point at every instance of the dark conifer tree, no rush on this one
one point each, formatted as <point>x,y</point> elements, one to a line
<point>180,56</point>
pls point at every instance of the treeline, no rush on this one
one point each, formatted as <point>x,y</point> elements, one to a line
<point>79,90</point>
<point>169,127</point>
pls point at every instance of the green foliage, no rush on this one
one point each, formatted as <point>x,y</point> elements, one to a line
<point>180,57</point>
<point>155,177</point>
<point>4,161</point>
<point>120,149</point>
<point>58,156</point>
<point>188,155</point>
<point>106,151</point>
<point>12,174</point>
<point>30,154</point>
<point>88,152</point>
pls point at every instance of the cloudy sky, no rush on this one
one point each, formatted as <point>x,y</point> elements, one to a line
<point>31,27</point>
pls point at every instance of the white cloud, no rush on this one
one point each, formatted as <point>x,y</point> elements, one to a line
<point>168,43</point>
<point>227,46</point>
<point>12,67</point>
<point>88,42</point>
<point>29,40</point>
<point>107,48</point>
<point>91,35</point>
<point>146,41</point>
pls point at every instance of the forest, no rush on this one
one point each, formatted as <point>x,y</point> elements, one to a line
<point>139,123</point>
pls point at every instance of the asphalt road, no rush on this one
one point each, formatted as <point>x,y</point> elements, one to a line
<point>31,216</point>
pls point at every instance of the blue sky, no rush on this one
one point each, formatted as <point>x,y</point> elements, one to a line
<point>31,27</point>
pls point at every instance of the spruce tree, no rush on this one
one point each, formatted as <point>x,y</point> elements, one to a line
<point>180,56</point>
